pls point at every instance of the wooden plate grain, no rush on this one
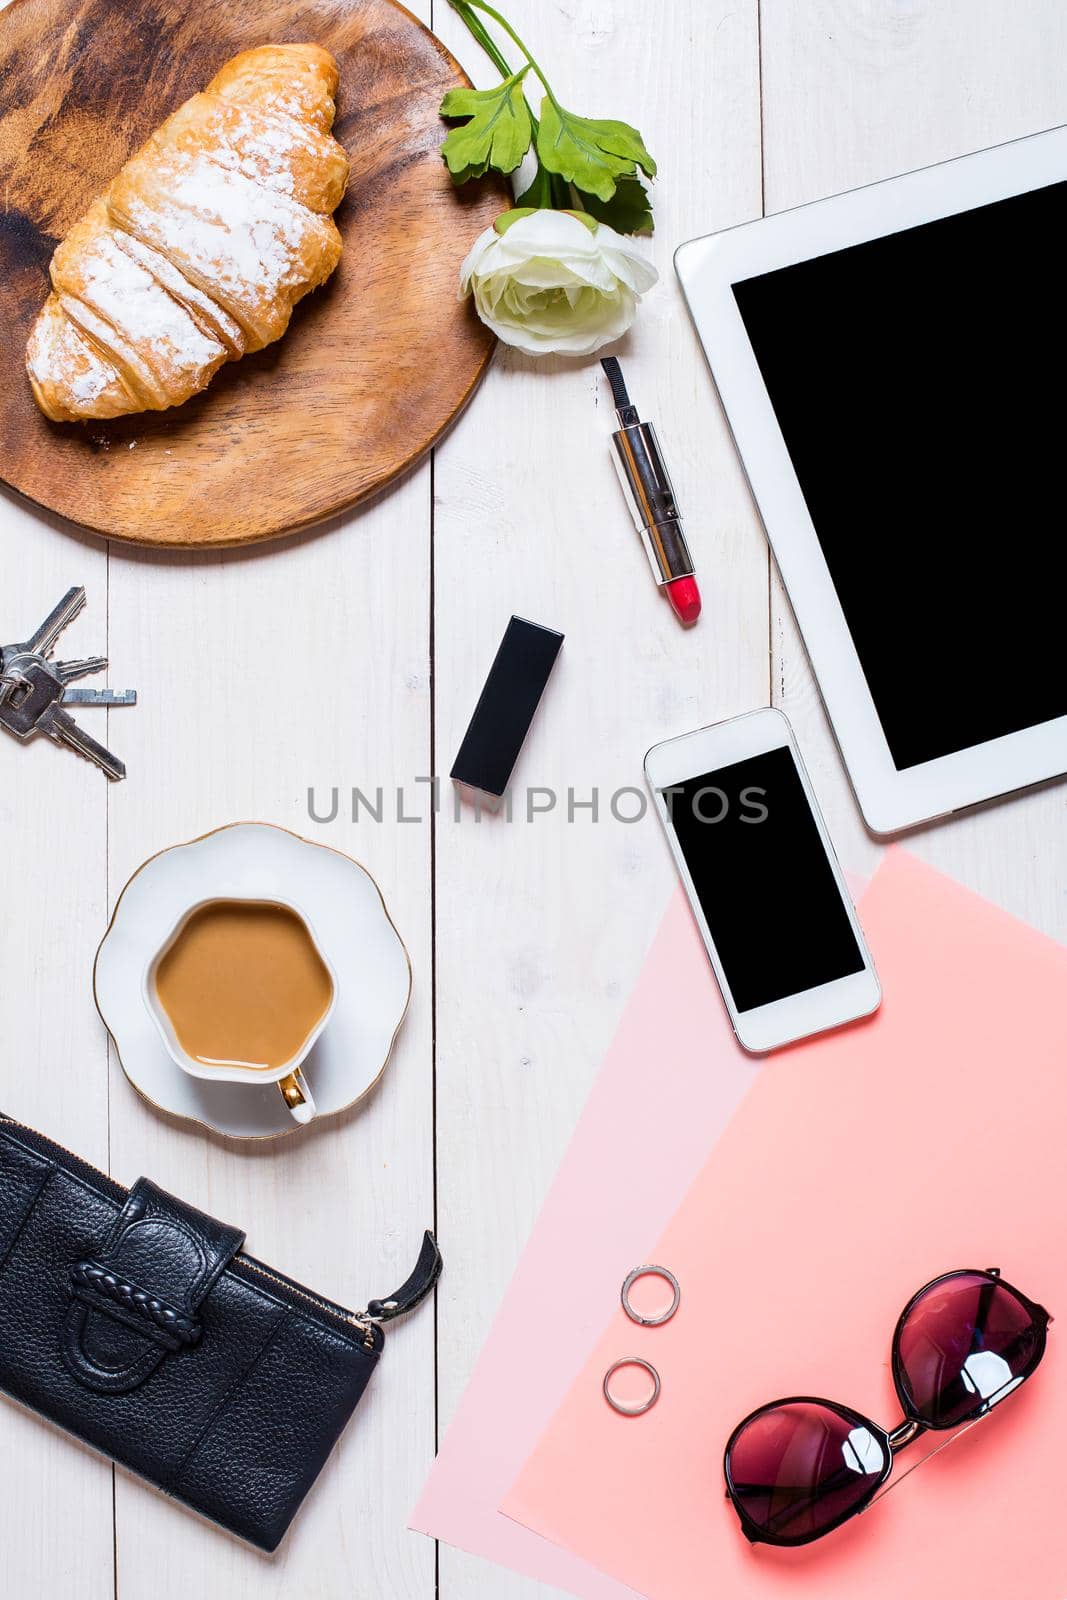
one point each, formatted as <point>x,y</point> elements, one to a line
<point>375,364</point>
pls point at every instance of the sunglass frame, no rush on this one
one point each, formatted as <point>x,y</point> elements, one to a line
<point>756,1534</point>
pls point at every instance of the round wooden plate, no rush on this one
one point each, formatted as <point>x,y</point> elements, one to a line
<point>375,364</point>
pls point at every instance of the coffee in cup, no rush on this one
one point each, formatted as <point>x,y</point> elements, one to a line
<point>240,992</point>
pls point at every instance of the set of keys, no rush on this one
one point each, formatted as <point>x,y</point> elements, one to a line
<point>34,689</point>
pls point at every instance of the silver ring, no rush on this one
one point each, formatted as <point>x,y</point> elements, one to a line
<point>645,1272</point>
<point>646,1405</point>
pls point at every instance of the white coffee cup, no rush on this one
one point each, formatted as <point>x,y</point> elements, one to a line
<point>291,1082</point>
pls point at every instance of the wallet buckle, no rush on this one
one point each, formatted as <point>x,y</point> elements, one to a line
<point>135,1300</point>
<point>93,1283</point>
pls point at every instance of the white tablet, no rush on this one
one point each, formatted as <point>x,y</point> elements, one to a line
<point>893,365</point>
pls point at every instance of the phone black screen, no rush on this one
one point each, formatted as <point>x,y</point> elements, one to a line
<point>763,880</point>
<point>916,380</point>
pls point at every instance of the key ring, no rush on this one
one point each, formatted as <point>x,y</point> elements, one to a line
<point>644,1405</point>
<point>650,1271</point>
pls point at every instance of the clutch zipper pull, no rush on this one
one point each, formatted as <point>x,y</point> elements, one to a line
<point>411,1293</point>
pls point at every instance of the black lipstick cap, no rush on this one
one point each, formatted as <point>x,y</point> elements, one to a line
<point>506,706</point>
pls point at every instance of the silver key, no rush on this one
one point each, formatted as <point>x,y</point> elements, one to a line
<point>52,626</point>
<point>64,730</point>
<point>33,690</point>
<point>100,697</point>
<point>33,706</point>
<point>42,640</point>
<point>67,671</point>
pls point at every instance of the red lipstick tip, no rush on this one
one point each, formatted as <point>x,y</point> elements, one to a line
<point>684,596</point>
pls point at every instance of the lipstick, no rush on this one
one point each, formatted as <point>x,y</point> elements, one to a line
<point>506,707</point>
<point>646,483</point>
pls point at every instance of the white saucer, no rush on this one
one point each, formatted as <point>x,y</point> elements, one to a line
<point>252,860</point>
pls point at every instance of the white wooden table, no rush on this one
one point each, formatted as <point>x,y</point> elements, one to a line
<point>525,938</point>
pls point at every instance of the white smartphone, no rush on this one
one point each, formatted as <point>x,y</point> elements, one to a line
<point>762,878</point>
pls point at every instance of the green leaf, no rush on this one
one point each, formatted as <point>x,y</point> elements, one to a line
<point>589,153</point>
<point>628,211</point>
<point>508,219</point>
<point>583,217</point>
<point>496,132</point>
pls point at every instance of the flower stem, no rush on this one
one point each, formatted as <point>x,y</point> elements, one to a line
<point>502,22</point>
<point>547,190</point>
<point>482,35</point>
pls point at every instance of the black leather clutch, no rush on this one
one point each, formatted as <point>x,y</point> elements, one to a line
<point>136,1323</point>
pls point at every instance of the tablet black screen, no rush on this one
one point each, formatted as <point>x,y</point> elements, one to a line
<point>918,381</point>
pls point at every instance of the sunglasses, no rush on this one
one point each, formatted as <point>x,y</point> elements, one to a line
<point>798,1468</point>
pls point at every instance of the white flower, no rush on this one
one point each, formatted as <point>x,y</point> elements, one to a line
<point>551,281</point>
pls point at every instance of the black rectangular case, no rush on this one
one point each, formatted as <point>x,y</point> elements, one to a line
<point>134,1321</point>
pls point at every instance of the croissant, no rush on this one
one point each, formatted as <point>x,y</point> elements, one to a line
<point>201,246</point>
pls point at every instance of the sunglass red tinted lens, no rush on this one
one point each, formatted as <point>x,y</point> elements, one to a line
<point>799,1467</point>
<point>964,1344</point>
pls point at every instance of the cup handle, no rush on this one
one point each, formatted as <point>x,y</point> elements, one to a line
<point>297,1096</point>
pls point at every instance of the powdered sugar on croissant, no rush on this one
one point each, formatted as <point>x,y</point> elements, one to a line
<point>201,246</point>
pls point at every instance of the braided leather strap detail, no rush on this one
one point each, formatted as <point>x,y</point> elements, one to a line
<point>90,1275</point>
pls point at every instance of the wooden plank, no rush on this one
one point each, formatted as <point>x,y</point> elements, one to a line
<point>542,925</point>
<point>301,665</point>
<point>304,665</point>
<point>53,1059</point>
<point>853,93</point>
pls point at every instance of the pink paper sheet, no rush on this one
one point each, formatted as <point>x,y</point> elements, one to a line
<point>669,1083</point>
<point>859,1166</point>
